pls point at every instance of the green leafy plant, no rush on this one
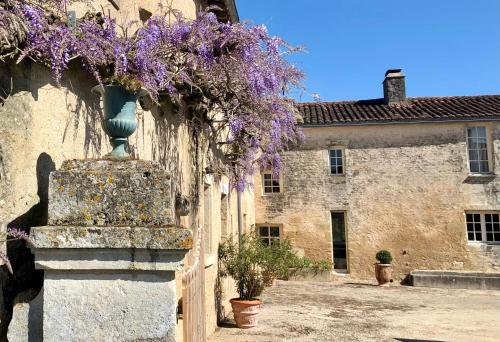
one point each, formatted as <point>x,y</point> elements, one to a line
<point>277,260</point>
<point>280,261</point>
<point>243,262</point>
<point>384,257</point>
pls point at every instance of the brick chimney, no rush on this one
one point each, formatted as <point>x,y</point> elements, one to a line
<point>394,86</point>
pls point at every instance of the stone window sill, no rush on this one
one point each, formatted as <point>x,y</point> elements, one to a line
<point>271,194</point>
<point>480,177</point>
<point>483,243</point>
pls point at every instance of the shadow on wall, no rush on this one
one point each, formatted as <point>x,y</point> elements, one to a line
<point>25,276</point>
<point>81,104</point>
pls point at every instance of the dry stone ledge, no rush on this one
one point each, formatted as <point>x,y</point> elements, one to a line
<point>110,193</point>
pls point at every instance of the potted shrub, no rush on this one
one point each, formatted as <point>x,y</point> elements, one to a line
<point>383,267</point>
<point>243,262</point>
<point>277,260</point>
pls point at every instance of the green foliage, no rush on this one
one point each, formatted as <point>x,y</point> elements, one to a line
<point>277,260</point>
<point>384,257</point>
<point>243,262</point>
<point>253,264</point>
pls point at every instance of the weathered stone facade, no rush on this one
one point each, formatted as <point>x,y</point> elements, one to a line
<point>406,188</point>
<point>43,125</point>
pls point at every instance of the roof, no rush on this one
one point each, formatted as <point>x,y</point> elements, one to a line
<point>418,109</point>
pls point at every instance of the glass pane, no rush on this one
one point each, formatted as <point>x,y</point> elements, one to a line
<point>468,217</point>
<point>275,231</point>
<point>267,176</point>
<point>489,227</point>
<point>487,217</point>
<point>340,170</point>
<point>481,132</point>
<point>489,236</point>
<point>496,227</point>
<point>497,236</point>
<point>477,217</point>
<point>471,132</point>
<point>470,227</point>
<point>474,166</point>
<point>481,143</point>
<point>265,241</point>
<point>470,236</point>
<point>483,167</point>
<point>479,237</point>
<point>338,227</point>
<point>264,231</point>
<point>473,155</point>
<point>477,227</point>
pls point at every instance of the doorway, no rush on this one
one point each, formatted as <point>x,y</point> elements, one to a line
<point>339,244</point>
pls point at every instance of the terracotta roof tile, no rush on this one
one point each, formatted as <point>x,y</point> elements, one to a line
<point>413,109</point>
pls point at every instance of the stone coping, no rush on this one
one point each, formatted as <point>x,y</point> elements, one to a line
<point>76,237</point>
<point>455,273</point>
<point>110,164</point>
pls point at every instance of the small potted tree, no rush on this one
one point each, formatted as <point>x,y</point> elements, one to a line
<point>383,267</point>
<point>243,262</point>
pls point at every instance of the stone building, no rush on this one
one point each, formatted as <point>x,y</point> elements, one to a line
<point>415,176</point>
<point>42,125</point>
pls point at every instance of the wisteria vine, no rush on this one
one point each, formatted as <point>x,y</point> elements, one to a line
<point>10,235</point>
<point>233,75</point>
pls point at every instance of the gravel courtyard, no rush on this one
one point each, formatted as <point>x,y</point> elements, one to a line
<point>308,311</point>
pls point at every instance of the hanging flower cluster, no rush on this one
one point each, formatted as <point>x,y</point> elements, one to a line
<point>10,235</point>
<point>234,75</point>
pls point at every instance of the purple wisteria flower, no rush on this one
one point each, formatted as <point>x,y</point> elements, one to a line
<point>234,77</point>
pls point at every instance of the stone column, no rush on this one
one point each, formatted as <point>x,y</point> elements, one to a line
<point>110,253</point>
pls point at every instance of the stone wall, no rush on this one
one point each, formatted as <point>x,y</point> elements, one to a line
<point>43,125</point>
<point>406,188</point>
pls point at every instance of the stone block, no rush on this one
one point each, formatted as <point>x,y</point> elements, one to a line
<point>109,306</point>
<point>109,283</point>
<point>110,193</point>
<point>26,324</point>
<point>456,280</point>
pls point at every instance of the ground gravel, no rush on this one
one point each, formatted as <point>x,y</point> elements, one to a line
<point>355,311</point>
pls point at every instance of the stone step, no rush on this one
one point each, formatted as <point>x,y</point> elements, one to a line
<point>456,279</point>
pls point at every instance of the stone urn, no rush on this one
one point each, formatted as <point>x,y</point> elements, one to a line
<point>246,312</point>
<point>119,116</point>
<point>383,273</point>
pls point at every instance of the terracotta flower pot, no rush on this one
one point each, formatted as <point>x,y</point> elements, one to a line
<point>383,273</point>
<point>245,312</point>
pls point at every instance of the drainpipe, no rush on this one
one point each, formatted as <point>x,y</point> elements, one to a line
<point>240,215</point>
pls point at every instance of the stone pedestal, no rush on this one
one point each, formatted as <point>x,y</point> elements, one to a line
<point>110,253</point>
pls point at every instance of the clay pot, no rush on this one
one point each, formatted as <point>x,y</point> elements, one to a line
<point>245,312</point>
<point>383,273</point>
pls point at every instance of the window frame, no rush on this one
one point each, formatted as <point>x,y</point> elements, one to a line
<point>269,226</point>
<point>489,150</point>
<point>343,159</point>
<point>482,216</point>
<point>279,180</point>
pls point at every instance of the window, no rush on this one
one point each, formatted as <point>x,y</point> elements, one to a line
<point>477,145</point>
<point>336,162</point>
<point>483,227</point>
<point>269,234</point>
<point>271,183</point>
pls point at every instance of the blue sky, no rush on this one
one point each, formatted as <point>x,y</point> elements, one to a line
<point>446,47</point>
